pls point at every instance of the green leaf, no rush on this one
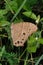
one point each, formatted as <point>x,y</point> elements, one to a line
<point>2,51</point>
<point>7,28</point>
<point>32,46</point>
<point>3,12</point>
<point>28,4</point>
<point>0,64</point>
<point>30,15</point>
<point>11,5</point>
<point>14,6</point>
<point>41,19</point>
<point>40,40</point>
<point>11,58</point>
<point>42,1</point>
<point>18,20</point>
<point>19,9</point>
<point>4,23</point>
<point>32,43</point>
<point>38,19</point>
<point>31,49</point>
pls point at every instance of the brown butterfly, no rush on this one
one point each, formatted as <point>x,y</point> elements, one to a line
<point>21,31</point>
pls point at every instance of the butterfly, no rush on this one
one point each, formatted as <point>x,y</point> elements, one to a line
<point>21,31</point>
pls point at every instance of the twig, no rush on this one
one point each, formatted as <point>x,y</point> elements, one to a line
<point>31,58</point>
<point>19,60</point>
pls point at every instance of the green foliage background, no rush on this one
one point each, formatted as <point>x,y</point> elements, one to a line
<point>13,11</point>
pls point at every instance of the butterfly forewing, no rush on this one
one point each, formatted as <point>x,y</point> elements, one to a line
<point>24,34</point>
<point>16,31</point>
<point>21,31</point>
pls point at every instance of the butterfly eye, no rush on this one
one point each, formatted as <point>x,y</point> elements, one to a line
<point>23,33</point>
<point>15,43</point>
<point>22,39</point>
<point>18,42</point>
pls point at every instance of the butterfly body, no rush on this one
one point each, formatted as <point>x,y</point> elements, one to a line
<point>21,31</point>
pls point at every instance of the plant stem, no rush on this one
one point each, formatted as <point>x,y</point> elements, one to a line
<point>23,53</point>
<point>25,62</point>
<point>0,42</point>
<point>18,53</point>
<point>31,58</point>
<point>37,63</point>
<point>9,6</point>
<point>18,10</point>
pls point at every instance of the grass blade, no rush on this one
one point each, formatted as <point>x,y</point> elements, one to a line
<point>39,60</point>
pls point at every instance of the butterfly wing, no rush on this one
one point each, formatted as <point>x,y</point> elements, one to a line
<point>31,28</point>
<point>21,31</point>
<point>16,32</point>
<point>24,35</point>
